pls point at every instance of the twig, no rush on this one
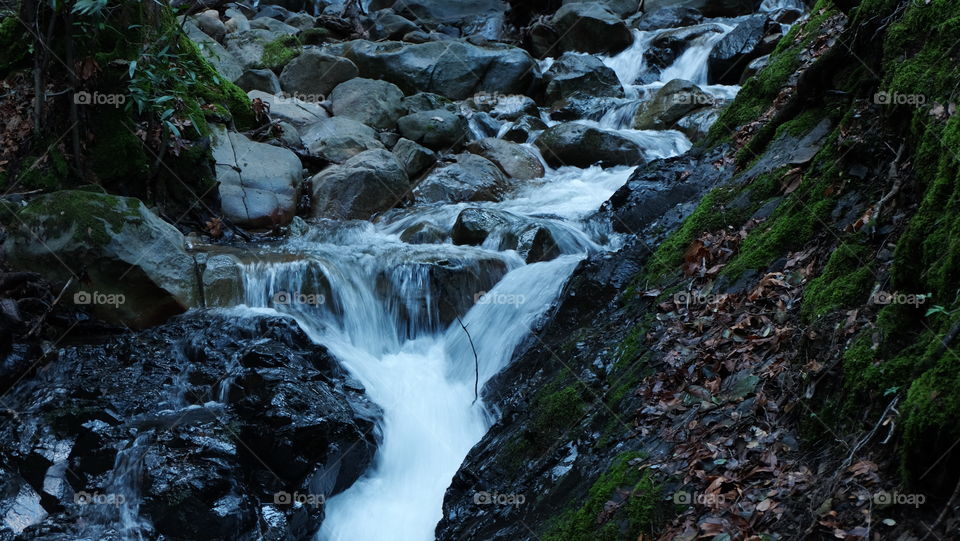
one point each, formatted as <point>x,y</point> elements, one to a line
<point>50,308</point>
<point>894,174</point>
<point>869,436</point>
<point>476,361</point>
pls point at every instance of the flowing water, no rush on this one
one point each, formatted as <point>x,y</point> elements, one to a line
<point>379,304</point>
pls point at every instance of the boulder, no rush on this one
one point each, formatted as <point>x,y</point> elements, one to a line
<point>622,8</point>
<point>315,73</point>
<point>416,159</point>
<point>474,225</point>
<point>209,22</point>
<point>423,233</point>
<point>577,74</point>
<point>378,104</point>
<point>218,56</point>
<point>455,69</point>
<point>516,161</point>
<point>668,17</point>
<point>535,243</point>
<point>301,21</point>
<point>338,139</point>
<point>369,183</point>
<point>248,47</point>
<point>731,55</point>
<point>259,183</point>
<point>387,25</point>
<point>125,264</point>
<point>710,8</point>
<point>428,101</point>
<point>675,100</point>
<point>484,18</point>
<point>484,125</point>
<point>259,79</point>
<point>470,178</point>
<point>522,130</point>
<point>236,21</point>
<point>222,280</point>
<point>581,145</point>
<point>504,107</point>
<point>297,112</point>
<point>275,26</point>
<point>438,129</point>
<point>668,45</point>
<point>590,27</point>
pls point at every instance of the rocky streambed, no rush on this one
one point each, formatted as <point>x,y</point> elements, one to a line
<point>432,185</point>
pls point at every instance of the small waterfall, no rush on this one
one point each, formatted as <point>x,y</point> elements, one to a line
<point>692,64</point>
<point>115,513</point>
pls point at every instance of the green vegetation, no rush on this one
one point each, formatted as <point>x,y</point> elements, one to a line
<point>279,52</point>
<point>640,508</point>
<point>845,281</point>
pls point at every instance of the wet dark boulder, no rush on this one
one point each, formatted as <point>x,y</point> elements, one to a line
<point>590,27</point>
<point>474,225</point>
<point>205,427</point>
<point>575,74</point>
<point>747,42</point>
<point>668,17</point>
<point>439,129</point>
<point>469,178</point>
<point>516,161</point>
<point>366,184</point>
<point>582,145</point>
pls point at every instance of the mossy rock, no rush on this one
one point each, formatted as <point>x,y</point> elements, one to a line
<point>126,264</point>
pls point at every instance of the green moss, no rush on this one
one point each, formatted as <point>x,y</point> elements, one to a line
<point>48,171</point>
<point>845,281</point>
<point>639,514</point>
<point>96,214</point>
<point>279,52</point>
<point>13,54</point>
<point>758,92</point>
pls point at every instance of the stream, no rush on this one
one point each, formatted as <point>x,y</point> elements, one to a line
<point>374,301</point>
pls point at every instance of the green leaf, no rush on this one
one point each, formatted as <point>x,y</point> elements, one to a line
<point>133,68</point>
<point>89,7</point>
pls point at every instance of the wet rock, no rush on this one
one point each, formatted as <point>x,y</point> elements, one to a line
<point>622,8</point>
<point>504,107</point>
<point>416,159</point>
<point>754,67</point>
<point>301,21</point>
<point>477,17</point>
<point>423,233</point>
<point>513,159</point>
<point>470,178</point>
<point>377,104</point>
<point>369,183</point>
<point>710,8</point>
<point>297,112</point>
<point>668,17</point>
<point>427,101</point>
<point>577,74</point>
<point>522,130</point>
<point>535,243</point>
<point>438,129</point>
<point>259,79</point>
<point>275,26</point>
<point>731,56</point>
<point>590,27</point>
<point>697,124</point>
<point>455,69</point>
<point>338,139</point>
<point>314,73</point>
<point>474,225</point>
<point>581,145</point>
<point>675,100</point>
<point>484,125</point>
<point>198,424</point>
<point>667,46</point>
<point>259,183</point>
<point>93,239</point>
<point>222,281</point>
<point>387,25</point>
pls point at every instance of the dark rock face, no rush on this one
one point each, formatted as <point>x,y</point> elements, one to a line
<point>368,183</point>
<point>199,427</point>
<point>470,178</point>
<point>731,56</point>
<point>668,17</point>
